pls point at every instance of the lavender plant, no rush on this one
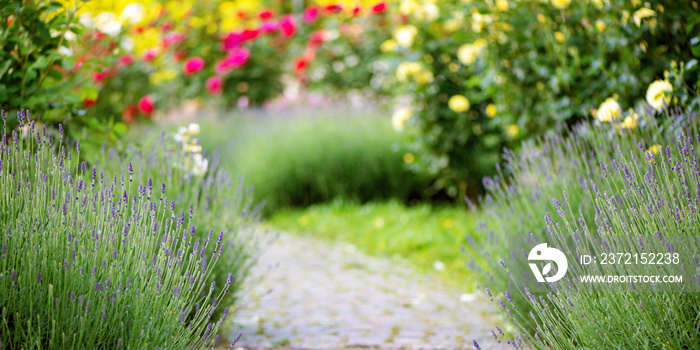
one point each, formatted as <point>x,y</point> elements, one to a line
<point>84,263</point>
<point>655,195</point>
<point>555,167</point>
<point>177,169</point>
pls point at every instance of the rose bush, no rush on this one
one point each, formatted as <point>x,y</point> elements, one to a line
<point>524,66</point>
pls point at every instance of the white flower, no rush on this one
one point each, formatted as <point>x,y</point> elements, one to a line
<point>70,36</point>
<point>192,148</point>
<point>132,13</point>
<point>193,129</point>
<point>127,43</point>
<point>111,28</point>
<point>404,35</point>
<point>65,51</point>
<point>658,94</point>
<point>200,165</point>
<point>608,111</point>
<point>400,117</point>
<point>431,11</point>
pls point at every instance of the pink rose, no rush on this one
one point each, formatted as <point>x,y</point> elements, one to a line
<point>288,26</point>
<point>232,41</point>
<point>193,65</point>
<point>150,55</point>
<point>234,59</point>
<point>310,14</point>
<point>269,26</point>
<point>214,85</point>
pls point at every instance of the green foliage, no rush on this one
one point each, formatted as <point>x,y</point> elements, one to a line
<point>85,265</point>
<point>527,65</point>
<point>304,160</point>
<point>31,63</point>
<point>423,235</point>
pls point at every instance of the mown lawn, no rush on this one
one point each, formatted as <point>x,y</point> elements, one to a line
<point>428,237</point>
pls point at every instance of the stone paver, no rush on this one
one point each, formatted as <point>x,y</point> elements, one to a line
<point>318,295</point>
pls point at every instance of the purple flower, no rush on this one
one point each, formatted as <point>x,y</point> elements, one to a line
<point>476,345</point>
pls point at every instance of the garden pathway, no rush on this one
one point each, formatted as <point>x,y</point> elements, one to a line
<point>318,295</point>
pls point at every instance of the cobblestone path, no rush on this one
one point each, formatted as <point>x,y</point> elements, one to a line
<point>328,296</point>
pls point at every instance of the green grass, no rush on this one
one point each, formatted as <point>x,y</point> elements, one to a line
<point>425,236</point>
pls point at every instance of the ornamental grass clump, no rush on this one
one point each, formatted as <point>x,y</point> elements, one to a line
<point>84,263</point>
<point>176,169</point>
<point>555,167</point>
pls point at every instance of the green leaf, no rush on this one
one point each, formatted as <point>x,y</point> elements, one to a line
<point>4,67</point>
<point>40,64</point>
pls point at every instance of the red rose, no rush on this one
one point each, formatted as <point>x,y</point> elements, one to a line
<point>265,14</point>
<point>214,85</point>
<point>129,114</point>
<point>10,20</point>
<point>179,56</point>
<point>379,8</point>
<point>356,10</point>
<point>250,34</point>
<point>193,65</point>
<point>89,102</point>
<point>146,105</point>
<point>300,64</point>
<point>334,8</point>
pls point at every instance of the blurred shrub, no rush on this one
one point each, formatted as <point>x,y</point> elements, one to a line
<point>484,74</point>
<point>342,49</point>
<point>533,185</point>
<point>305,160</point>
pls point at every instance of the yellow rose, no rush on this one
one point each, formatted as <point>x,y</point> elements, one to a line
<point>558,36</point>
<point>641,14</point>
<point>600,25</point>
<point>404,35</point>
<point>458,103</point>
<point>407,69</point>
<point>608,111</point>
<point>400,117</point>
<point>655,149</point>
<point>491,110</point>
<point>512,130</point>
<point>561,4</point>
<point>388,46</point>
<point>468,53</point>
<point>630,122</point>
<point>502,5</point>
<point>658,94</point>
